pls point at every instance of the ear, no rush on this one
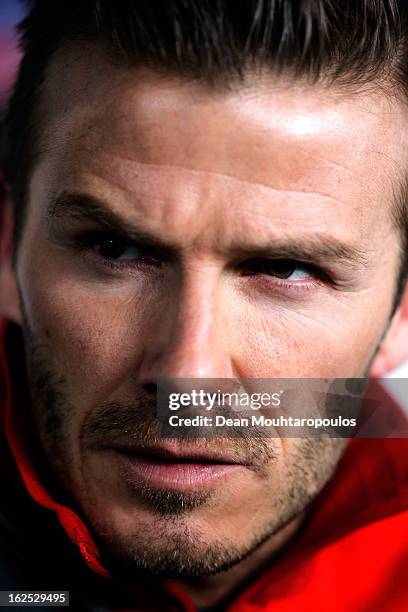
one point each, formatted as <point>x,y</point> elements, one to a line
<point>394,347</point>
<point>9,300</point>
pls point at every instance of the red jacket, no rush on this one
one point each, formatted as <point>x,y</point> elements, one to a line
<point>350,555</point>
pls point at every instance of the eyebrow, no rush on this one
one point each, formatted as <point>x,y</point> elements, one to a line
<point>88,208</point>
<point>309,249</point>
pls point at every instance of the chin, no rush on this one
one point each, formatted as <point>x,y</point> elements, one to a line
<point>170,547</point>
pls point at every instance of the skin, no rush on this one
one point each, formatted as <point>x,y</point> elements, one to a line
<point>220,176</point>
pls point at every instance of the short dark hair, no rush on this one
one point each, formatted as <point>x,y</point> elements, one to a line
<point>215,41</point>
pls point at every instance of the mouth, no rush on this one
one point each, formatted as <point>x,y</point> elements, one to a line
<point>173,466</point>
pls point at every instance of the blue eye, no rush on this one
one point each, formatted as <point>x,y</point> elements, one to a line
<point>297,272</point>
<point>117,248</point>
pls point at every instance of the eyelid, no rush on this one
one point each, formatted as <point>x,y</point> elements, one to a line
<point>92,238</point>
<point>148,249</point>
<point>318,277</point>
<point>89,237</point>
<point>86,241</point>
<point>275,260</point>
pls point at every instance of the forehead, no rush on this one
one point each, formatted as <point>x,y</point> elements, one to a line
<point>267,135</point>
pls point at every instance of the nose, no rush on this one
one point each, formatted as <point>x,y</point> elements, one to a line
<point>192,339</point>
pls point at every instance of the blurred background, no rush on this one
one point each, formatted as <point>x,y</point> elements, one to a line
<point>11,12</point>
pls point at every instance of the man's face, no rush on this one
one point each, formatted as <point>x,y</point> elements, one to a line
<point>178,232</point>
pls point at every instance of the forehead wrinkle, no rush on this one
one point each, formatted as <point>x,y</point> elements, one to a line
<point>246,204</point>
<point>128,167</point>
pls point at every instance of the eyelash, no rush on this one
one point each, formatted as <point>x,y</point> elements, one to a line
<point>317,275</point>
<point>88,241</point>
<point>289,287</point>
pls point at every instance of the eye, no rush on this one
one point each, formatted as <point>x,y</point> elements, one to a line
<point>112,247</point>
<point>285,269</point>
<point>116,250</point>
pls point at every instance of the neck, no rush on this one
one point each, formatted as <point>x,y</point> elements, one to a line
<point>210,591</point>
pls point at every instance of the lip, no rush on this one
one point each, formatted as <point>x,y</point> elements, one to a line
<point>174,450</point>
<point>173,466</point>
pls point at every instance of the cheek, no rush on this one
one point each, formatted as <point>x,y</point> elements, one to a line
<point>99,337</point>
<point>326,338</point>
<point>95,337</point>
